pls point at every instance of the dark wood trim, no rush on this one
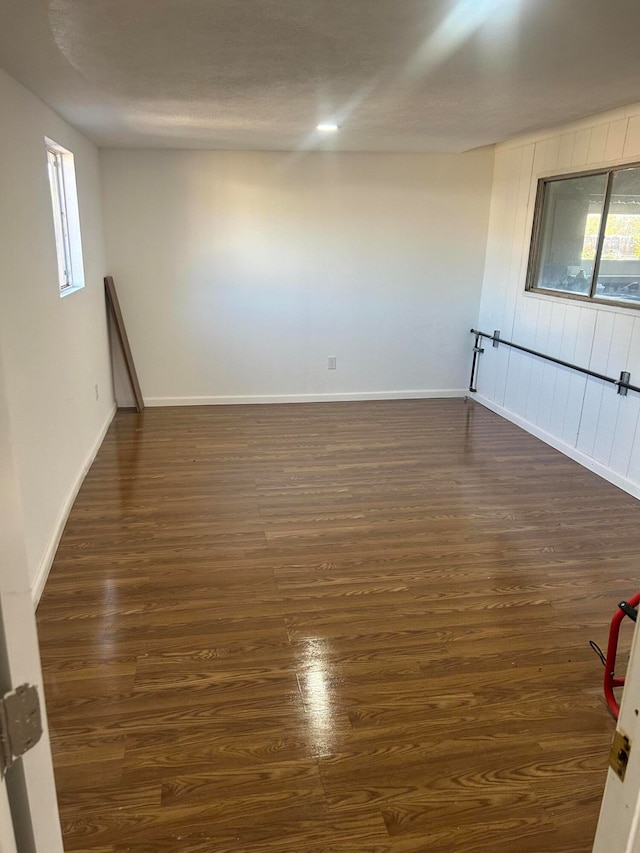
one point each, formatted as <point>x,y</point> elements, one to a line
<point>114,306</point>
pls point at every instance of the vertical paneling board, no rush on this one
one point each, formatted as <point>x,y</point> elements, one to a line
<point>524,328</point>
<point>581,149</point>
<point>609,411</point>
<point>551,372</point>
<point>525,200</point>
<point>540,344</point>
<point>597,144</point>
<point>565,155</point>
<point>563,376</point>
<point>497,269</point>
<point>632,139</point>
<point>585,414</point>
<point>633,471</point>
<point>616,135</point>
<point>628,413</point>
<point>577,381</point>
<point>594,395</point>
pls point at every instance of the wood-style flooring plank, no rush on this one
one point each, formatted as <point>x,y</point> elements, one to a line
<point>333,628</point>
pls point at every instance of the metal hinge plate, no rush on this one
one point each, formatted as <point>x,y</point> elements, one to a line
<point>20,724</point>
<point>619,755</point>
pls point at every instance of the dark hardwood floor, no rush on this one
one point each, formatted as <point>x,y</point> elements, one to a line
<point>334,628</point>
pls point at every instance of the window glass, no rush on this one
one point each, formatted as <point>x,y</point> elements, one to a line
<point>63,247</point>
<point>572,211</point>
<point>66,217</point>
<point>619,270</point>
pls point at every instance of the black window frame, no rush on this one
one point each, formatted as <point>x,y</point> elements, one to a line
<point>535,247</point>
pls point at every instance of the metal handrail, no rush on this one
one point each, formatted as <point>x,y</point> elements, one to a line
<point>623,384</point>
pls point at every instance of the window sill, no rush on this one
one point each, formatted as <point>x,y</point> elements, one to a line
<point>69,290</point>
<point>583,301</point>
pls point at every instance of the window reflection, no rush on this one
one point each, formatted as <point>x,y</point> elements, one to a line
<point>569,209</point>
<point>619,271</point>
<point>589,226</point>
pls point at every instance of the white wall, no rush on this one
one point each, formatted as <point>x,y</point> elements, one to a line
<point>240,273</point>
<point>34,810</point>
<point>584,418</point>
<point>54,350</point>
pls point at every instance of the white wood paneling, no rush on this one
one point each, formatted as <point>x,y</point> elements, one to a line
<point>598,144</point>
<point>550,372</point>
<point>609,411</point>
<point>577,381</point>
<point>565,155</point>
<point>632,139</point>
<point>541,344</point>
<point>562,375</point>
<point>496,270</point>
<point>552,153</point>
<point>525,201</point>
<point>616,135</point>
<point>586,416</point>
<point>581,148</point>
<point>628,413</point>
<point>633,471</point>
<point>593,400</point>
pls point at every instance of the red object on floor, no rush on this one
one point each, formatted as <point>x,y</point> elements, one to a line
<point>610,681</point>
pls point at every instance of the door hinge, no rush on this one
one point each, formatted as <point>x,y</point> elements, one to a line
<point>20,724</point>
<point>619,755</point>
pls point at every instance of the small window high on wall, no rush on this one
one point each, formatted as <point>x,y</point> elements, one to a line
<point>586,237</point>
<point>66,218</point>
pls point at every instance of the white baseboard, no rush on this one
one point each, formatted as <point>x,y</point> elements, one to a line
<point>305,398</point>
<point>47,559</point>
<point>573,453</point>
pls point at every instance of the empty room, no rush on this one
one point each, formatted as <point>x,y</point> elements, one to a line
<point>319,426</point>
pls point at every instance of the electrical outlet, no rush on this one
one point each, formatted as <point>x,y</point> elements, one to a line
<point>97,391</point>
<point>333,362</point>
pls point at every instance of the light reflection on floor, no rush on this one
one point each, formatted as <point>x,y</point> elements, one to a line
<point>315,687</point>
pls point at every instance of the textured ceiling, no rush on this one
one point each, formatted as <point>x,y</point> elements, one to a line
<point>396,75</point>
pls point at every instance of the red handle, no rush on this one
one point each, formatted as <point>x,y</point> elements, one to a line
<point>610,681</point>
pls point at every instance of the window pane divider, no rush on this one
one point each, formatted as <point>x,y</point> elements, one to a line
<point>601,236</point>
